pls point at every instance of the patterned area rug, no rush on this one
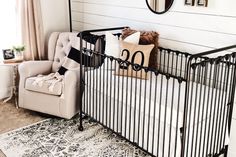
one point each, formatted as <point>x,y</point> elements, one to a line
<point>60,138</point>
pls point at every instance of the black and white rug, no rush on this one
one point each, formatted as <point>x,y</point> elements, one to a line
<point>61,138</point>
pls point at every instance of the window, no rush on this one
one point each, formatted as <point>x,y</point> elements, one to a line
<point>9,27</point>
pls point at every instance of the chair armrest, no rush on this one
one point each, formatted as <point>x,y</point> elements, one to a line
<point>72,94</point>
<point>32,68</point>
<point>72,77</point>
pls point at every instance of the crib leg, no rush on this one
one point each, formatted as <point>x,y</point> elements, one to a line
<point>226,151</point>
<point>81,128</point>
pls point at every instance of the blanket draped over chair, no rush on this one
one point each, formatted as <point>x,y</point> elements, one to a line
<point>73,61</point>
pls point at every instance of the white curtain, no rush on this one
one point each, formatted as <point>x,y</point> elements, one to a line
<point>31,29</point>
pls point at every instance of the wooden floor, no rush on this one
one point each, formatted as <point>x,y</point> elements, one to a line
<point>12,118</point>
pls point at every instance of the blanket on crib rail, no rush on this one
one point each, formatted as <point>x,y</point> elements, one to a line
<point>73,61</point>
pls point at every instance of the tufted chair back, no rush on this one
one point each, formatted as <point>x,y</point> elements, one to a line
<point>59,46</point>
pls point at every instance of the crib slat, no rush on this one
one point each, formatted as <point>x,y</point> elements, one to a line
<point>139,114</point>
<point>230,93</point>
<point>107,111</point>
<point>171,116</point>
<point>207,110</point>
<point>189,109</point>
<point>228,86</point>
<point>165,114</point>
<point>90,90</point>
<point>144,111</point>
<point>118,103</point>
<point>122,102</point>
<point>214,111</point>
<point>177,120</point>
<point>224,99</point>
<point>103,96</point>
<point>211,107</point>
<point>204,105</point>
<point>195,112</point>
<point>218,112</point>
<point>94,85</point>
<point>198,107</point>
<point>112,111</point>
<point>222,106</point>
<point>126,106</point>
<point>154,113</point>
<point>100,95</point>
<point>130,108</point>
<point>135,97</point>
<point>96,103</point>
<point>149,111</point>
<point>159,118</point>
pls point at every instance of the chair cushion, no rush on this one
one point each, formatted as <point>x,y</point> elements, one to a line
<point>44,88</point>
<point>64,43</point>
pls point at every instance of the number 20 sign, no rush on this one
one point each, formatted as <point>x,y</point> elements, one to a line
<point>126,53</point>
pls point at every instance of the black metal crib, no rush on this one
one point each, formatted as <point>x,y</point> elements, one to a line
<point>182,108</point>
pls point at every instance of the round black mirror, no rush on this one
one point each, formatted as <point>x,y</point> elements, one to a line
<point>159,6</point>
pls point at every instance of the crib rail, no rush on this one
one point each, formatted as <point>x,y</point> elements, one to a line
<point>145,112</point>
<point>215,86</point>
<point>173,62</point>
<point>181,108</point>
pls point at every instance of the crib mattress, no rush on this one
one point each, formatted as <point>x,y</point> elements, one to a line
<point>159,108</point>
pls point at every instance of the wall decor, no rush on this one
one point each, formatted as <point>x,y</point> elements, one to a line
<point>198,3</point>
<point>8,54</point>
<point>202,3</point>
<point>189,2</point>
<point>159,6</point>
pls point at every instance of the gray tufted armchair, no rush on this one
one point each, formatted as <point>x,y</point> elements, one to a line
<point>64,100</point>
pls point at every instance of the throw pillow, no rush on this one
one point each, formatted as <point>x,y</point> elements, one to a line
<point>146,38</point>
<point>73,58</point>
<point>136,54</point>
<point>113,46</point>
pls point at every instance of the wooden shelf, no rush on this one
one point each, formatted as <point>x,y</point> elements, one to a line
<point>8,61</point>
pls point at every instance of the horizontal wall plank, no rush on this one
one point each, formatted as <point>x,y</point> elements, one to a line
<point>183,27</point>
<point>198,37</point>
<point>77,16</point>
<point>215,8</point>
<point>196,21</point>
<point>77,26</point>
<point>77,6</point>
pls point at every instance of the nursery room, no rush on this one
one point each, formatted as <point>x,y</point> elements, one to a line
<point>85,78</point>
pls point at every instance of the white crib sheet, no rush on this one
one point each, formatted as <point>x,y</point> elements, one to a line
<point>106,88</point>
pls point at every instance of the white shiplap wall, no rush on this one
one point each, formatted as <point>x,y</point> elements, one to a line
<point>186,28</point>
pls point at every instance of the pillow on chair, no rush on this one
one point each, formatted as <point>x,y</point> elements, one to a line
<point>73,59</point>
